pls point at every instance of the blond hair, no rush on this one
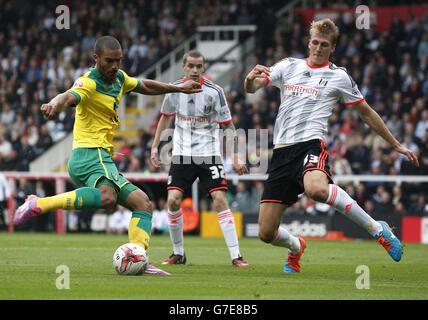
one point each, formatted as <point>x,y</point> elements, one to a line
<point>325,27</point>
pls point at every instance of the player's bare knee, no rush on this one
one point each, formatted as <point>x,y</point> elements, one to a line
<point>108,198</point>
<point>266,236</point>
<point>174,203</point>
<point>219,202</point>
<point>145,203</point>
<point>139,201</point>
<point>317,193</point>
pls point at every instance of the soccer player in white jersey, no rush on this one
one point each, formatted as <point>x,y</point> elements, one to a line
<point>309,88</point>
<point>196,154</point>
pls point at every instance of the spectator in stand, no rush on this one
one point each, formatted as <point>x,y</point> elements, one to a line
<point>370,208</point>
<point>359,156</point>
<point>422,125</point>
<point>160,217</point>
<point>384,206</point>
<point>138,46</point>
<point>400,209</point>
<point>423,46</point>
<point>118,222</point>
<point>419,208</point>
<point>25,155</point>
<point>341,165</point>
<point>7,114</point>
<point>413,91</point>
<point>242,199</point>
<point>395,124</point>
<point>44,142</point>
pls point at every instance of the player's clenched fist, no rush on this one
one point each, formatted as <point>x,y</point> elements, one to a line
<point>191,86</point>
<point>259,71</point>
<point>48,110</point>
<point>58,104</point>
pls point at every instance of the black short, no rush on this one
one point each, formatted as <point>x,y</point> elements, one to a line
<point>184,171</point>
<point>287,168</point>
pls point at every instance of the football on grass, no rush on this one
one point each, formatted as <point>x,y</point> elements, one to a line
<point>130,259</point>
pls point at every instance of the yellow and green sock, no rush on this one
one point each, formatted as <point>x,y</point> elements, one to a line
<point>82,198</point>
<point>140,228</point>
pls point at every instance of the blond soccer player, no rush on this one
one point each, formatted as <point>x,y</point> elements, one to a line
<point>309,89</point>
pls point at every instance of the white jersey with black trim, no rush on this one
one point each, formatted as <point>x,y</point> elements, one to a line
<point>197,119</point>
<point>308,95</point>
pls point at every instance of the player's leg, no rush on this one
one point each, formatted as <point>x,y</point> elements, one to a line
<point>134,199</point>
<point>139,203</point>
<point>85,198</point>
<point>212,177</point>
<point>270,231</point>
<point>281,189</point>
<point>81,199</point>
<point>227,225</point>
<point>317,187</point>
<point>180,179</point>
<point>175,226</point>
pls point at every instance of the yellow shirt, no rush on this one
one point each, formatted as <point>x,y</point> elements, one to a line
<point>96,110</point>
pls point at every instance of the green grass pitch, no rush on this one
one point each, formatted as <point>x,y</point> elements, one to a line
<point>29,261</point>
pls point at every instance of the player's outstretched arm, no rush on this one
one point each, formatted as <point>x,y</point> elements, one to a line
<point>256,78</point>
<point>58,104</point>
<point>152,87</point>
<point>164,123</point>
<point>375,122</point>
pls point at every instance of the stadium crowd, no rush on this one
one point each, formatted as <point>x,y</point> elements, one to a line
<point>37,61</point>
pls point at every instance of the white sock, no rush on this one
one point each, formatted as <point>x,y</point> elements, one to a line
<point>227,225</point>
<point>175,226</point>
<point>287,240</point>
<point>341,201</point>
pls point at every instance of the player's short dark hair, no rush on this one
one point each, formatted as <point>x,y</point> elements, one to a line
<point>193,54</point>
<point>108,42</point>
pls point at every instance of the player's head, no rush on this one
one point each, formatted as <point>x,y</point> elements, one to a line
<point>193,65</point>
<point>323,36</point>
<point>108,55</point>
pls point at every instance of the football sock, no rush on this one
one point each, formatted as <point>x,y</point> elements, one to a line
<point>341,201</point>
<point>175,226</point>
<point>82,198</point>
<point>227,225</point>
<point>286,239</point>
<point>140,228</point>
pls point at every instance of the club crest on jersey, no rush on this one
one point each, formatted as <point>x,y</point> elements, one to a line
<point>115,176</point>
<point>356,92</point>
<point>207,109</point>
<point>323,82</point>
<point>78,84</point>
<point>296,90</point>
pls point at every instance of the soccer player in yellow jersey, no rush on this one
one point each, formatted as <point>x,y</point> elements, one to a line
<point>97,95</point>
